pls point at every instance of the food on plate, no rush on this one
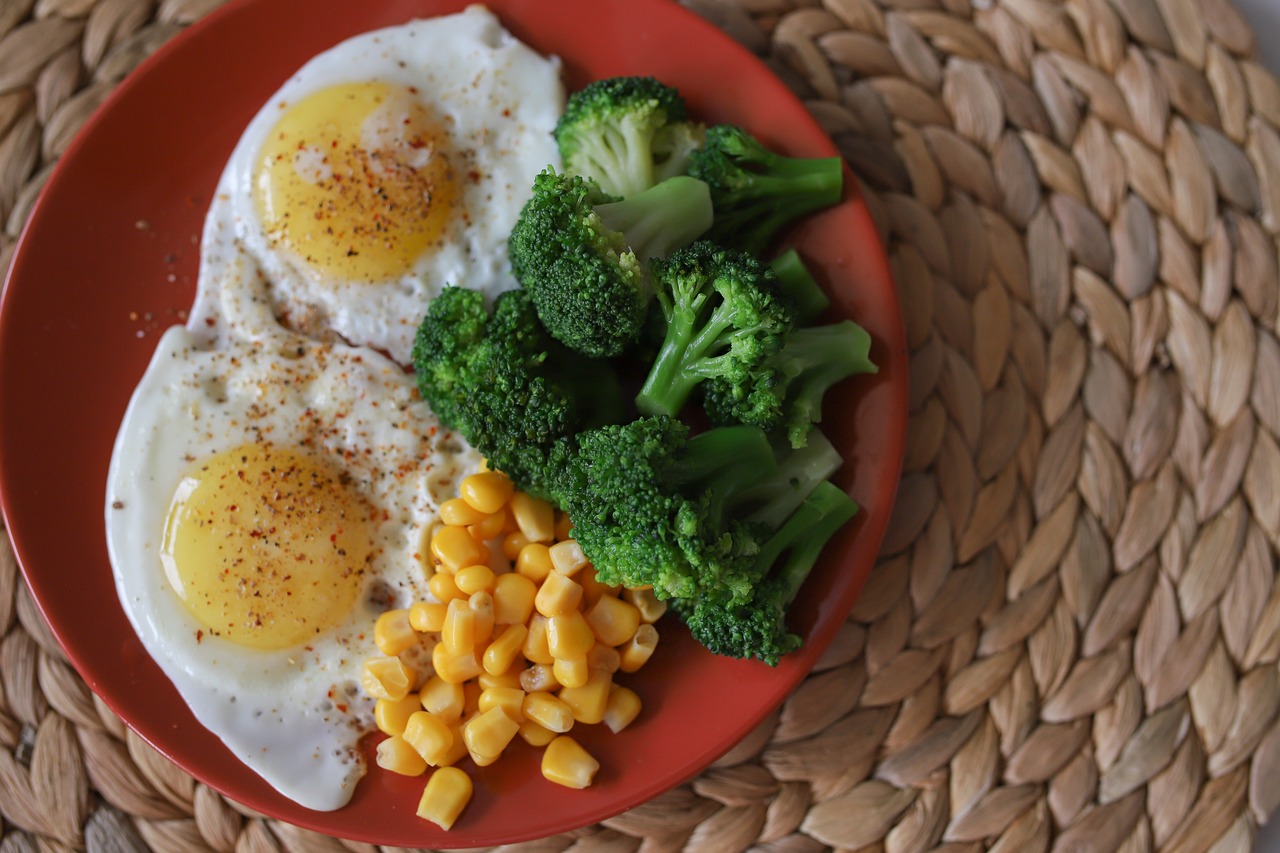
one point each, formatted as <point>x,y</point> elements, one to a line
<point>525,642</point>
<point>389,166</point>
<point>275,472</point>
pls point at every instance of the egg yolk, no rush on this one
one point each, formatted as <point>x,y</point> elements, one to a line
<point>356,181</point>
<point>266,546</point>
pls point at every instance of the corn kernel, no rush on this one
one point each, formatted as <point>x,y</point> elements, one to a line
<point>536,734</point>
<point>473,579</point>
<point>491,526</point>
<point>442,698</point>
<point>395,754</point>
<point>391,715</point>
<point>535,641</point>
<point>650,606</point>
<point>458,513</point>
<point>503,651</point>
<point>566,763</point>
<point>513,596</point>
<point>539,677</point>
<point>534,561</point>
<point>454,548</point>
<point>564,526</point>
<point>592,588</point>
<point>623,707</point>
<point>549,711</point>
<point>513,543</point>
<point>386,678</point>
<point>458,636</point>
<point>458,749</point>
<point>604,658</point>
<point>637,651</point>
<point>509,699</point>
<point>571,672</point>
<point>455,667</point>
<point>569,635</point>
<point>589,701</point>
<point>443,588</point>
<point>392,632</point>
<point>429,736</point>
<point>488,733</point>
<point>558,594</point>
<point>445,796</point>
<point>427,616</point>
<point>567,557</point>
<point>613,620</point>
<point>509,678</point>
<point>471,691</point>
<point>487,491</point>
<point>481,606</point>
<point>535,517</point>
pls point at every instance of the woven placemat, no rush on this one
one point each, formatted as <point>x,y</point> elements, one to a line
<point>1071,642</point>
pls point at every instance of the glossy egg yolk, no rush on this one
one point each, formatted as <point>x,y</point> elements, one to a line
<point>267,547</point>
<point>355,180</point>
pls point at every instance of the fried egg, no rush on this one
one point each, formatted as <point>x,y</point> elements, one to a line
<point>389,167</point>
<point>276,472</point>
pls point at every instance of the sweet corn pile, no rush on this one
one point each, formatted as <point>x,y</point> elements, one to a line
<point>523,641</point>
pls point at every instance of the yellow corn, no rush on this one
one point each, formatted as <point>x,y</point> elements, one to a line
<point>589,701</point>
<point>458,513</point>
<point>513,599</point>
<point>386,678</point>
<point>429,736</point>
<point>567,557</point>
<point>491,526</point>
<point>569,635</point>
<point>454,548</point>
<point>488,732</point>
<point>639,648</point>
<point>535,517</point>
<point>391,715</point>
<point>513,543</point>
<point>471,697</point>
<point>481,606</point>
<point>473,579</point>
<point>458,749</point>
<point>393,634</point>
<point>549,711</point>
<point>442,698</point>
<point>566,763</point>
<point>650,606</point>
<point>535,641</point>
<point>539,677</point>
<point>510,678</point>
<point>509,699</point>
<point>558,594</point>
<point>613,620</point>
<point>592,588</point>
<point>395,754</point>
<point>571,672</point>
<point>443,588</point>
<point>502,652</point>
<point>535,734</point>
<point>427,616</point>
<point>534,561</point>
<point>623,707</point>
<point>604,658</point>
<point>458,636</point>
<point>455,668</point>
<point>447,793</point>
<point>487,491</point>
<point>564,526</point>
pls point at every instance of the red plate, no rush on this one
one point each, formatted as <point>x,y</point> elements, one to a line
<point>108,259</point>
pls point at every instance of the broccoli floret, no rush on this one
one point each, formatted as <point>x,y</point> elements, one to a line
<point>755,191</point>
<point>652,506</point>
<point>808,299</point>
<point>724,318</point>
<point>757,628</point>
<point>506,386</point>
<point>626,134</point>
<point>786,393</point>
<point>583,256</point>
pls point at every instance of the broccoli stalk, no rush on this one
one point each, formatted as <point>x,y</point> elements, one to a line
<point>626,133</point>
<point>724,318</point>
<point>807,299</point>
<point>756,191</point>
<point>757,628</point>
<point>582,255</point>
<point>799,471</point>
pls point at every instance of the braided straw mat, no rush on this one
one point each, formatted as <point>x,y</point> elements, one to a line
<point>1071,641</point>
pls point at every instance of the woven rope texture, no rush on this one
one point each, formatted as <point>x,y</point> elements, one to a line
<point>1071,641</point>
